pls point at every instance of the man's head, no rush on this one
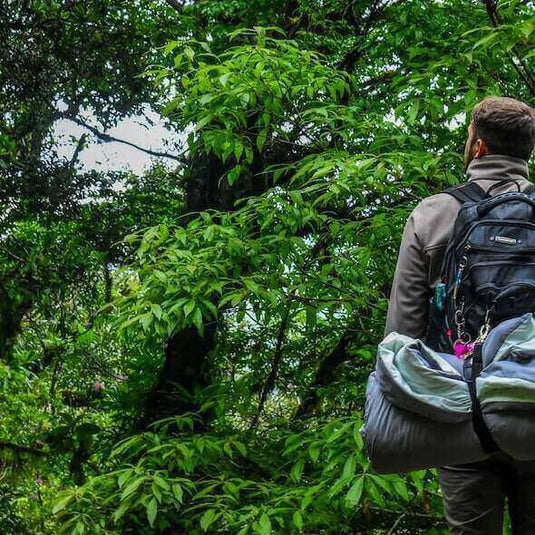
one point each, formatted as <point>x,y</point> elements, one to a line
<point>500,125</point>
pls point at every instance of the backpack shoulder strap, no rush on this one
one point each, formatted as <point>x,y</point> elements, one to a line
<point>468,192</point>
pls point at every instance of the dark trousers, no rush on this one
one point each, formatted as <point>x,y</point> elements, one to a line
<point>474,496</point>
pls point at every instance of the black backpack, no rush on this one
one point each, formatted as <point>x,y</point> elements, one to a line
<point>488,272</point>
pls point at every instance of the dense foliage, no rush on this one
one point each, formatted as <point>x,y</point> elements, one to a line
<point>186,350</point>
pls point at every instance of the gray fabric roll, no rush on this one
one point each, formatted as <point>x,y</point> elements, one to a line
<point>401,441</point>
<point>513,429</point>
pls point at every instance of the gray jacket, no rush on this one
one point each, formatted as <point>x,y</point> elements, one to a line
<point>425,238</point>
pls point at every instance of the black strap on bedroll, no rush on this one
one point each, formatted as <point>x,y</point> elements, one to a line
<point>471,372</point>
<point>467,192</point>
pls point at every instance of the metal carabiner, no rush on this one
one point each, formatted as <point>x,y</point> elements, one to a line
<point>483,332</point>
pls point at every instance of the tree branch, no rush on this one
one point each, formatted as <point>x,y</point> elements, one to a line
<point>526,74</point>
<point>277,357</point>
<point>21,449</point>
<point>107,138</point>
<point>78,150</point>
<point>278,353</point>
<point>392,530</point>
<point>325,374</point>
<point>175,4</point>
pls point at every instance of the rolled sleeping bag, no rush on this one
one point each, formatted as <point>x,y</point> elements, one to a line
<point>418,409</point>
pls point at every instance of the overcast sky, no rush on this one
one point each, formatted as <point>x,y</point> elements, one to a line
<point>117,156</point>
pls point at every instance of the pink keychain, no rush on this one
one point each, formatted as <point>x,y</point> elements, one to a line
<point>463,350</point>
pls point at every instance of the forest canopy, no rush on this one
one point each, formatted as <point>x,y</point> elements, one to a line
<point>185,349</point>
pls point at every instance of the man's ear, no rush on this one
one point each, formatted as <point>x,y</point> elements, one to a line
<point>481,148</point>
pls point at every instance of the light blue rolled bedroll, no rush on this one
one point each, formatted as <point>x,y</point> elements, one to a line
<point>419,410</point>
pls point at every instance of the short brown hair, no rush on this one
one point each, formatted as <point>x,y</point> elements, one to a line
<point>506,125</point>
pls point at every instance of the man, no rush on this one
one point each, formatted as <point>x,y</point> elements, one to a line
<point>501,139</point>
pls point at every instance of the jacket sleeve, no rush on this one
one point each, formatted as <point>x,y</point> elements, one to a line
<point>409,298</point>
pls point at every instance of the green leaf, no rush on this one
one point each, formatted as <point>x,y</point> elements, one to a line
<point>375,493</point>
<point>261,139</point>
<point>161,482</point>
<point>157,492</point>
<point>62,503</point>
<point>157,310</point>
<point>485,40</point>
<point>190,53</point>
<point>349,467</point>
<point>357,436</point>
<point>234,174</point>
<point>132,487</point>
<point>146,320</point>
<point>178,492</point>
<point>413,111</point>
<point>355,492</point>
<point>401,488</point>
<point>240,447</point>
<point>314,451</point>
<point>297,519</point>
<point>152,511</point>
<point>264,525</point>
<point>198,319</point>
<point>297,470</point>
<point>126,474</point>
<point>189,306</point>
<point>207,519</point>
<point>238,151</point>
<point>121,510</point>
<point>249,156</point>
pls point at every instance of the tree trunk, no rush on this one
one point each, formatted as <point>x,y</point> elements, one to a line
<point>185,369</point>
<point>11,316</point>
<point>325,375</point>
<point>186,354</point>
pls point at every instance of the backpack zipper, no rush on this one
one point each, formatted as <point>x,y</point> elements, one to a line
<point>487,263</point>
<point>491,285</point>
<point>460,268</point>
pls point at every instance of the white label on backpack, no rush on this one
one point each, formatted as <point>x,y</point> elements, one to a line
<point>504,239</point>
